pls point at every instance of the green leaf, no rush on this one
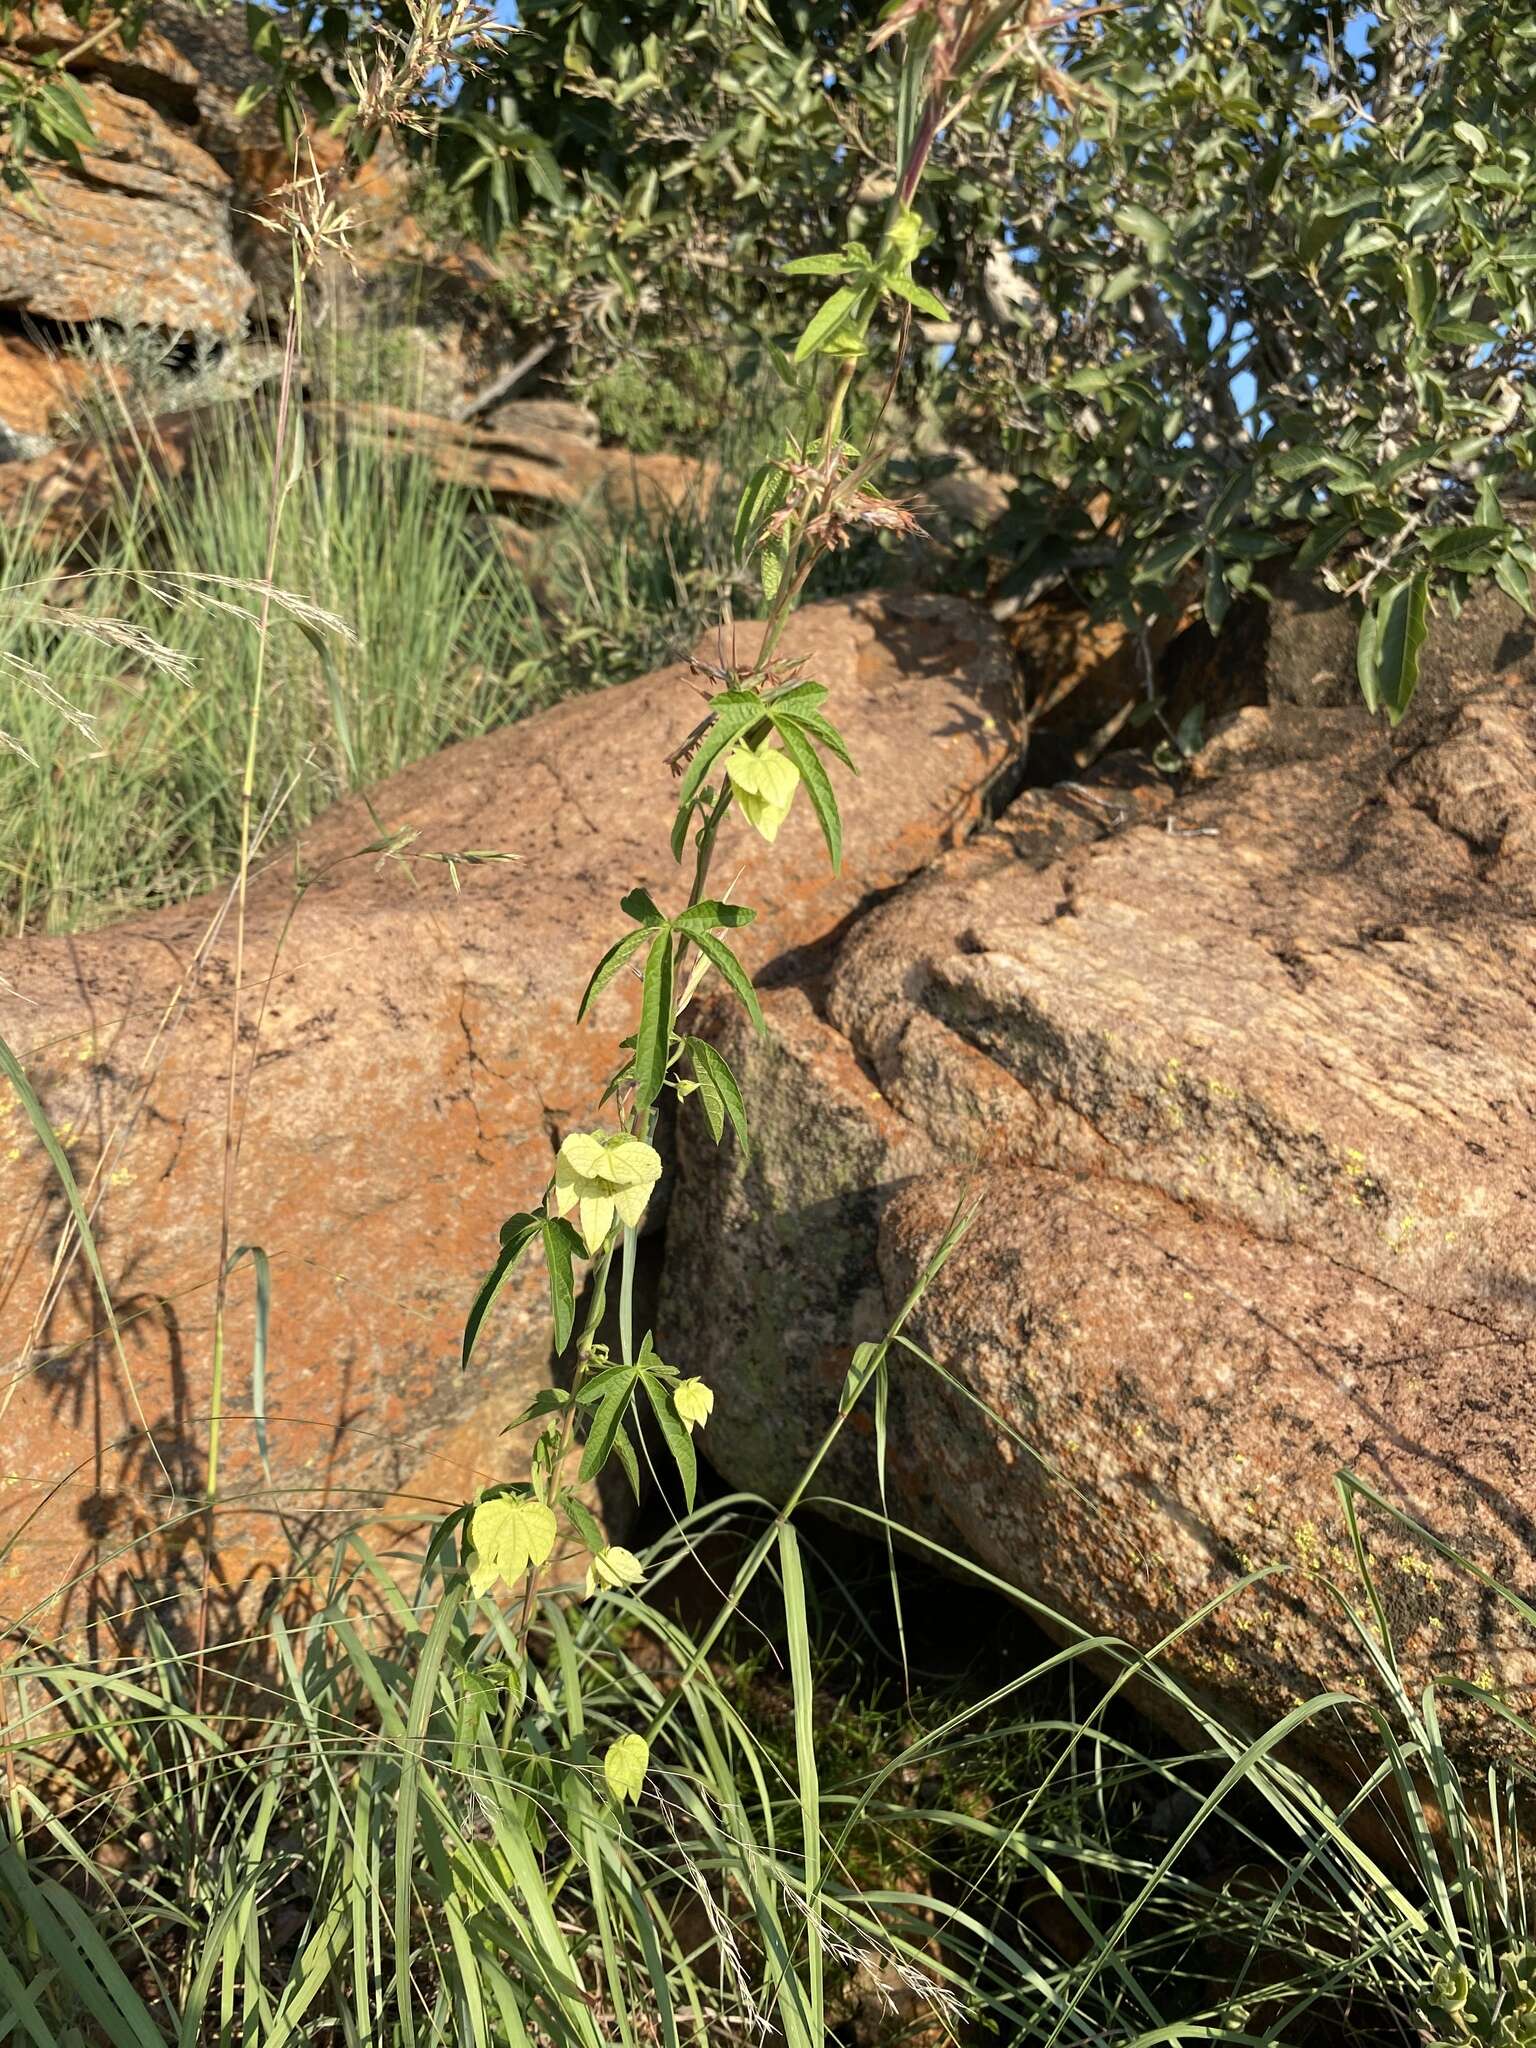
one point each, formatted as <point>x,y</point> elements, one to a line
<point>583,1521</point>
<point>830,263</point>
<point>1514,579</point>
<point>639,905</point>
<point>517,1233</point>
<point>712,1106</point>
<point>624,1451</point>
<point>825,322</point>
<point>917,295</point>
<point>797,698</point>
<point>625,1764</point>
<point>772,559</point>
<point>764,492</point>
<point>866,1359</point>
<point>608,967</point>
<point>734,711</point>
<point>653,1036</point>
<point>561,1246</point>
<point>1323,539</point>
<point>826,734</point>
<point>720,956</point>
<point>1292,465</point>
<point>676,1435</point>
<point>818,786</point>
<point>706,915</point>
<point>1468,548</point>
<point>1421,287</point>
<point>713,1072</point>
<point>1366,661</point>
<point>1147,228</point>
<point>606,1425</point>
<point>1401,623</point>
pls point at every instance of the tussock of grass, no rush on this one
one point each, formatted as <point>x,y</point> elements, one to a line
<point>371,1823</point>
<point>139,808</point>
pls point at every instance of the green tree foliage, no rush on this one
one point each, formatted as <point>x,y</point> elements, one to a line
<point>1247,277</point>
<point>1250,278</point>
<point>1283,299</point>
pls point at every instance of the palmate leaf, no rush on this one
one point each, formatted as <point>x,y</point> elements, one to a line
<point>517,1233</point>
<point>798,699</point>
<point>818,786</point>
<point>829,263</point>
<point>771,561</point>
<point>720,956</point>
<point>706,915</point>
<point>762,494</point>
<point>826,734</point>
<point>641,906</point>
<point>717,1086</point>
<point>583,1521</point>
<point>825,322</point>
<point>676,1436</point>
<point>917,295</point>
<point>654,1032</point>
<point>607,1423</point>
<point>608,967</point>
<point>561,1246</point>
<point>624,1451</point>
<point>733,711</point>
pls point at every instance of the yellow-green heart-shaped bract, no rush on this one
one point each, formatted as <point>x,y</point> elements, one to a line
<point>603,1174</point>
<point>507,1535</point>
<point>614,1566</point>
<point>625,1766</point>
<point>765,781</point>
<point>694,1402</point>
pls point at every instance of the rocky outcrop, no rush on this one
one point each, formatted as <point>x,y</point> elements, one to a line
<point>141,237</point>
<point>37,389</point>
<point>64,493</point>
<point>1244,1091</point>
<point>523,458</point>
<point>164,223</point>
<point>413,1061</point>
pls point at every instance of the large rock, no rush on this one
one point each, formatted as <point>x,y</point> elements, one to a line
<point>36,388</point>
<point>1246,1093</point>
<point>142,238</point>
<point>414,1061</point>
<point>66,494</point>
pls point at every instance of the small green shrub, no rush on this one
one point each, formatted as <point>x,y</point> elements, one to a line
<point>675,399</point>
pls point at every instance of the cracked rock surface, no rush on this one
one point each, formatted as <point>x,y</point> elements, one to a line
<point>417,1062</point>
<point>1245,1085</point>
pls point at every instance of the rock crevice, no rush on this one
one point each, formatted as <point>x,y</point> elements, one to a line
<point>1244,1087</point>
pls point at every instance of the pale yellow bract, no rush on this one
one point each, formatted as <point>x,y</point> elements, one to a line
<point>508,1534</point>
<point>694,1402</point>
<point>625,1765</point>
<point>614,1566</point>
<point>765,781</point>
<point>601,1175</point>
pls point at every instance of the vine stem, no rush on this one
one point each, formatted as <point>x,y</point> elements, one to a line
<point>806,547</point>
<point>587,1343</point>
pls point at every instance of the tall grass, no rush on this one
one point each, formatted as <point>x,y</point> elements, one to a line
<point>451,638</point>
<point>383,1826</point>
